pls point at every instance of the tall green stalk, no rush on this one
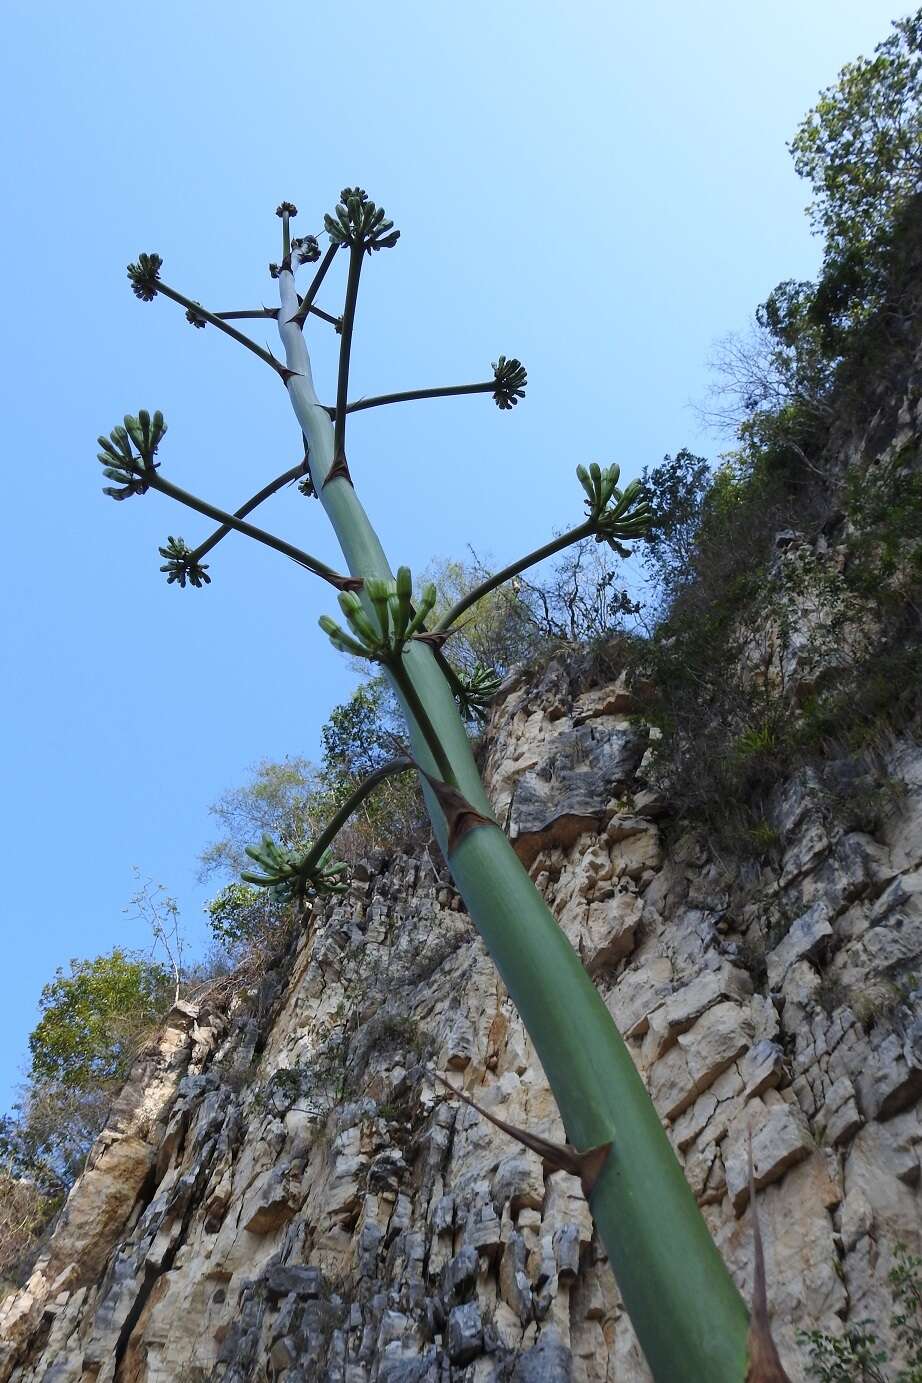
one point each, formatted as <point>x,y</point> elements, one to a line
<point>689,1317</point>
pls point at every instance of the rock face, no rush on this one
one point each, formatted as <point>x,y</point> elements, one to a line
<point>236,1225</point>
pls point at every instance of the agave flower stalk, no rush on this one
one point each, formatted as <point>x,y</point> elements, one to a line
<point>690,1319</point>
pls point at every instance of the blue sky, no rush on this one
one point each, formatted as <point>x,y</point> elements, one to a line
<point>601,189</point>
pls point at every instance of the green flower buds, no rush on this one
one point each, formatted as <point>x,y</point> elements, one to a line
<point>357,221</point>
<point>146,433</point>
<point>193,318</point>
<point>181,566</point>
<point>477,692</point>
<point>616,514</point>
<point>131,472</point>
<point>286,209</point>
<point>291,875</point>
<point>307,249</point>
<point>511,378</point>
<point>382,635</point>
<point>144,276</point>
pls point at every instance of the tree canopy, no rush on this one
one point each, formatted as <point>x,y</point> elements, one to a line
<point>93,1018</point>
<point>861,144</point>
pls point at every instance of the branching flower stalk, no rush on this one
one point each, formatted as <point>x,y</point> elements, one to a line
<point>690,1319</point>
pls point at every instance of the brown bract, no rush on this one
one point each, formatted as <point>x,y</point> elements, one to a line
<point>460,816</point>
<point>561,1157</point>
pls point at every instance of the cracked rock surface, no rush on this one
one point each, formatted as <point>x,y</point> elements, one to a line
<point>382,1231</point>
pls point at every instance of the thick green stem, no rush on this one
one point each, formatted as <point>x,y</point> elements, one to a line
<point>409,395</point>
<point>574,535</point>
<point>201,506</point>
<point>265,493</point>
<point>690,1319</point>
<point>351,804</point>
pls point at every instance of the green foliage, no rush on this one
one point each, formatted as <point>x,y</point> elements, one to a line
<point>240,914</point>
<point>906,1321</point>
<point>25,1210</point>
<point>54,1127</point>
<point>292,801</point>
<point>675,491</point>
<point>861,149</point>
<point>740,615</point>
<point>861,145</point>
<point>358,738</point>
<point>93,1019</point>
<point>734,613</point>
<point>497,632</point>
<point>849,1358</point>
<point>476,692</point>
<point>885,507</point>
<point>280,799</point>
<point>857,1354</point>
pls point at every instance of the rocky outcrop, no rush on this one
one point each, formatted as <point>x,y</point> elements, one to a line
<point>285,1193</point>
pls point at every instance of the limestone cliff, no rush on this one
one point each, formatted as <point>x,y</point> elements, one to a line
<point>354,1222</point>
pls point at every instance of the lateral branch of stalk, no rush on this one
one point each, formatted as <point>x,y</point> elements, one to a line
<point>336,823</point>
<point>280,481</point>
<point>410,395</point>
<point>231,521</point>
<point>573,535</point>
